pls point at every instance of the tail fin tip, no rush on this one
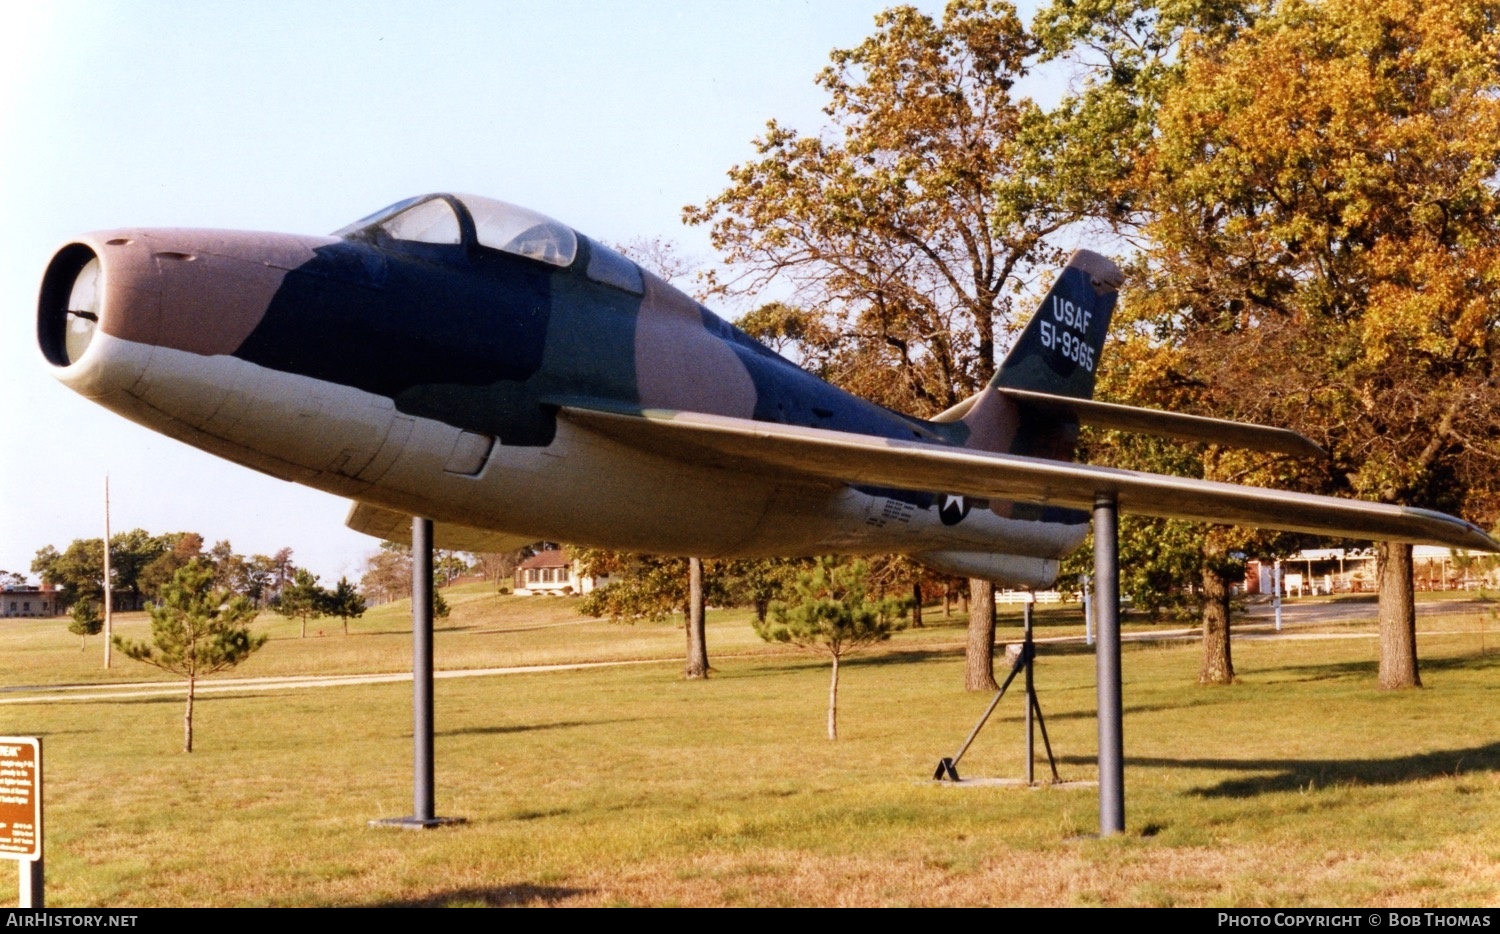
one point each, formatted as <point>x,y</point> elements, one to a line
<point>1059,349</point>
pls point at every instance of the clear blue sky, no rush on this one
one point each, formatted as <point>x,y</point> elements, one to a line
<point>301,117</point>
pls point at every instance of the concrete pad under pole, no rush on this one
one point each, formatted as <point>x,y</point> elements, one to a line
<point>424,799</point>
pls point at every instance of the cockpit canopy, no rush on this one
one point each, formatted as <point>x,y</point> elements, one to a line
<point>447,219</point>
<point>455,219</point>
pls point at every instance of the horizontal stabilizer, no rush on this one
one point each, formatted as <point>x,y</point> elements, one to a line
<point>392,526</point>
<point>813,453</point>
<point>1172,424</point>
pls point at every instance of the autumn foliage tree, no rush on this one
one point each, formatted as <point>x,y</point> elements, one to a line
<point>907,224</point>
<point>1325,251</point>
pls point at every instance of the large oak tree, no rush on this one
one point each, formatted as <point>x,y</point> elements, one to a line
<point>1325,251</point>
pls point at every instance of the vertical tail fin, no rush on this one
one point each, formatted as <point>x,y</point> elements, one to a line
<point>1059,350</point>
<point>1057,353</point>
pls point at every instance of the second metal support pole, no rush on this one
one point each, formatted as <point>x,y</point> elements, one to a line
<point>1107,661</point>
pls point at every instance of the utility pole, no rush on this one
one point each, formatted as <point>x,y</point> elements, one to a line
<point>109,600</point>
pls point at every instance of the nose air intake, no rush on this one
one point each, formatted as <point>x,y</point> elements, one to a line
<point>70,304</point>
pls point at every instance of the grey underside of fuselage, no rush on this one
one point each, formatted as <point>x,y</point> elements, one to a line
<point>581,488</point>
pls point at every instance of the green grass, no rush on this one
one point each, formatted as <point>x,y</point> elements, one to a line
<point>1301,785</point>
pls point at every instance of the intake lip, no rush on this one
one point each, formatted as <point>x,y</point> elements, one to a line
<point>71,304</point>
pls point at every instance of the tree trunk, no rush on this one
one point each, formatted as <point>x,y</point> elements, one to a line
<point>187,716</point>
<point>304,627</point>
<point>916,605</point>
<point>1218,666</point>
<point>979,659</point>
<point>697,637</point>
<point>1398,617</point>
<point>833,701</point>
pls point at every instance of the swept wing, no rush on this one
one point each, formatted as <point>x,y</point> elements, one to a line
<point>814,453</point>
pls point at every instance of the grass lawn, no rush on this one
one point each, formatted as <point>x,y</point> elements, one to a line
<point>1301,785</point>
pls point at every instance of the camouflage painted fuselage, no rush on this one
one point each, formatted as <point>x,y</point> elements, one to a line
<point>427,378</point>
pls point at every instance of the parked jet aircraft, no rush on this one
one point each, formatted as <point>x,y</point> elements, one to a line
<point>471,361</point>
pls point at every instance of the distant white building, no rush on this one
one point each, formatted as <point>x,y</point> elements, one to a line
<point>1336,570</point>
<point>29,601</point>
<point>553,572</point>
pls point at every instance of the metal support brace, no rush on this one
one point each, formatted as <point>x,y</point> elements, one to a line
<point>947,768</point>
<point>1107,661</point>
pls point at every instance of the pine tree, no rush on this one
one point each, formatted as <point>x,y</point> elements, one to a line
<point>830,612</point>
<point>86,621</point>
<point>195,631</point>
<point>346,602</point>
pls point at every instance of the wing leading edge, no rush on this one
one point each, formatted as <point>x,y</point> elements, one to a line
<point>863,459</point>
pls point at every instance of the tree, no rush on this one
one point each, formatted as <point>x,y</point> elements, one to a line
<point>979,653</point>
<point>913,219</point>
<point>77,573</point>
<point>85,621</point>
<point>260,579</point>
<point>129,555</point>
<point>195,631</point>
<point>1126,56</point>
<point>499,567</point>
<point>654,587</point>
<point>346,603</point>
<point>755,582</point>
<point>283,569</point>
<point>696,624</point>
<point>302,599</point>
<point>448,564</point>
<point>830,612</point>
<point>387,574</point>
<point>179,550</point>
<point>231,571</point>
<point>1327,256</point>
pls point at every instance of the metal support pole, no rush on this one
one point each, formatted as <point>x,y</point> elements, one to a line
<point>423,804</point>
<point>1030,698</point>
<point>1276,589</point>
<point>1088,615</point>
<point>1107,662</point>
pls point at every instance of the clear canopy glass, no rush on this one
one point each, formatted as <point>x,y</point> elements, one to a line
<point>521,231</point>
<point>497,225</point>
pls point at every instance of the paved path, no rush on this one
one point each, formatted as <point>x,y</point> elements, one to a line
<point>45,694</point>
